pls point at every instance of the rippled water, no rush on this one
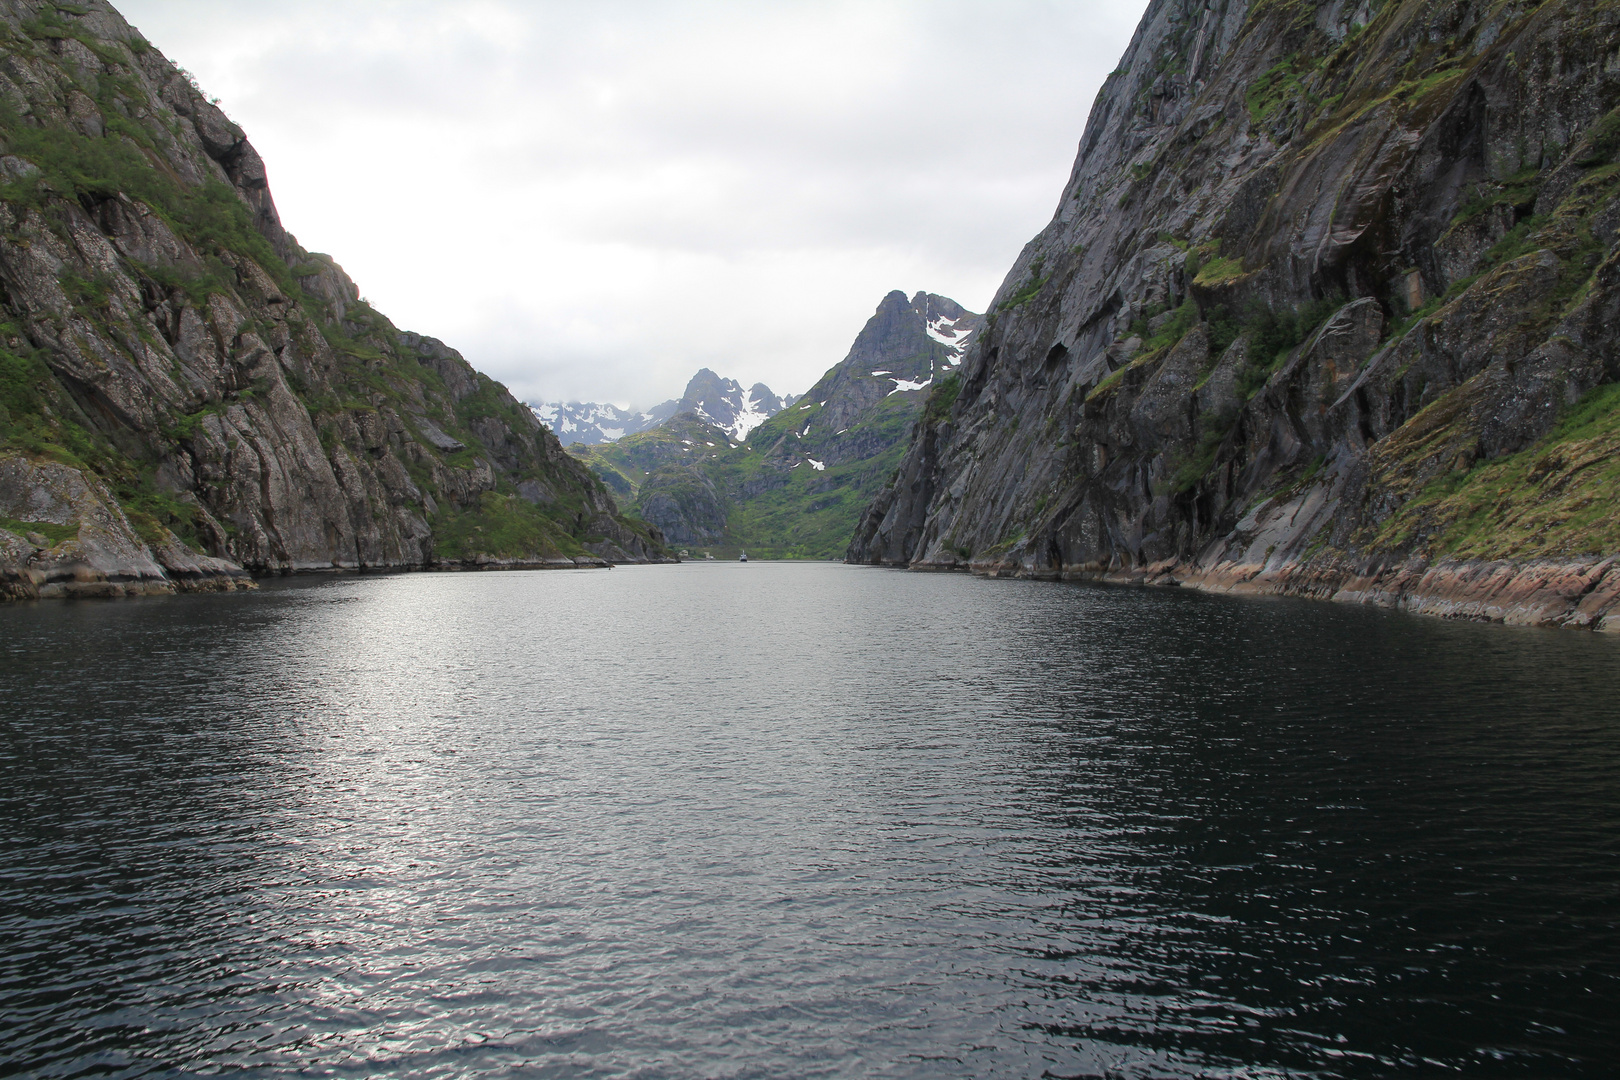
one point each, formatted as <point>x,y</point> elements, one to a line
<point>800,820</point>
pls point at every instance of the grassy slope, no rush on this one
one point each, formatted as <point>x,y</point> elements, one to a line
<point>627,464</point>
<point>1558,498</point>
<point>807,513</point>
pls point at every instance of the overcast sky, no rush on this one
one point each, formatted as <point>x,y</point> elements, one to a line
<point>591,200</point>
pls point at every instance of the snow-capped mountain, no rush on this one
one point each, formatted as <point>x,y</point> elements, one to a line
<point>590,423</point>
<point>904,348</point>
<point>724,403</point>
<point>721,402</point>
<point>814,467</point>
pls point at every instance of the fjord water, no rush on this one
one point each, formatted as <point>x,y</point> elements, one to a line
<point>800,820</point>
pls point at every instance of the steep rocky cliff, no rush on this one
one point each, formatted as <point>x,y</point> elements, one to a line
<point>797,485</point>
<point>1328,307</point>
<point>187,394</point>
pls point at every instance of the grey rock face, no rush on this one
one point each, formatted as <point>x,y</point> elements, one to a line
<point>205,377</point>
<point>1311,259</point>
<point>104,556</point>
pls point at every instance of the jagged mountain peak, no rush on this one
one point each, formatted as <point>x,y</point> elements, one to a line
<point>709,396</point>
<point>725,404</point>
<point>899,324</point>
<point>904,347</point>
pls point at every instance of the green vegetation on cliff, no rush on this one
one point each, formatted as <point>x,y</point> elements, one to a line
<point>764,494</point>
<point>1340,290</point>
<point>162,335</point>
<point>1559,498</point>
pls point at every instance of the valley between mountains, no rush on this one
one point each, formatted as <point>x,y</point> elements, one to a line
<point>717,479</point>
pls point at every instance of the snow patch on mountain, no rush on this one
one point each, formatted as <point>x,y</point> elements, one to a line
<point>946,332</point>
<point>726,405</point>
<point>721,402</point>
<point>755,410</point>
<point>954,335</point>
<point>591,422</point>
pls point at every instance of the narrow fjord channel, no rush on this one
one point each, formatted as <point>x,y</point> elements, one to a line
<point>800,820</point>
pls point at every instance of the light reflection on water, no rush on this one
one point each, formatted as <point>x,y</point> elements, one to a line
<point>800,819</point>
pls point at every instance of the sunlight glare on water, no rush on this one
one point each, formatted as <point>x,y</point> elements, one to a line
<point>800,819</point>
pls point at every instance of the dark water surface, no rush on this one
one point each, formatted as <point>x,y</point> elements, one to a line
<point>800,820</point>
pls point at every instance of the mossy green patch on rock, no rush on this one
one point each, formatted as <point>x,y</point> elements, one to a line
<point>52,532</point>
<point>1221,270</point>
<point>942,397</point>
<point>501,527</point>
<point>1560,497</point>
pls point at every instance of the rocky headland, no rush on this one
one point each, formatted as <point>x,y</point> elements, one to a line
<point>188,397</point>
<point>1328,308</point>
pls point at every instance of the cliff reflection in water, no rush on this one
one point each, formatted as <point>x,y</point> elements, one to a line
<point>800,819</point>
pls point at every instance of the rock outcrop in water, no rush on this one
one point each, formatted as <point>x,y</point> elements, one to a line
<point>796,486</point>
<point>1328,307</point>
<point>186,394</point>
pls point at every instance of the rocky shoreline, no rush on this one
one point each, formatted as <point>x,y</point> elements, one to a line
<point>97,551</point>
<point>1582,594</point>
<point>49,574</point>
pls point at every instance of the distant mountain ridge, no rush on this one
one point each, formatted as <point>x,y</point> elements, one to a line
<point>592,422</point>
<point>715,400</point>
<point>799,481</point>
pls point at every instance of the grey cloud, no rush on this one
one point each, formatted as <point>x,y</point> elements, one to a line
<point>550,157</point>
